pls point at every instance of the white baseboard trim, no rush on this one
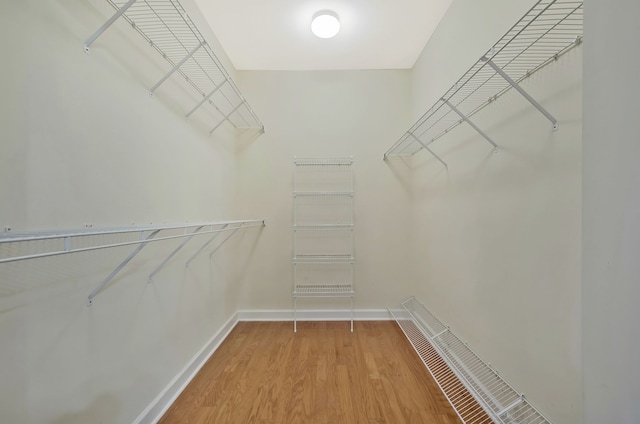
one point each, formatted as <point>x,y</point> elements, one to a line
<point>170,393</point>
<point>315,315</point>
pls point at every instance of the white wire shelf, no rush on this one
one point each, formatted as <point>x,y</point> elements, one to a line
<point>475,390</point>
<point>548,30</point>
<point>338,161</point>
<point>167,27</point>
<point>324,290</point>
<point>37,245</point>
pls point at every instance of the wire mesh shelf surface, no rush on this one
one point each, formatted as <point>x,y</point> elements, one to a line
<point>549,29</point>
<point>167,27</point>
<point>474,389</point>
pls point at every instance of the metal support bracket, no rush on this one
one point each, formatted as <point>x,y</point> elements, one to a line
<point>440,333</point>
<point>226,117</point>
<point>176,250</point>
<point>427,149</point>
<point>216,235</point>
<point>511,406</point>
<point>223,242</point>
<point>176,67</point>
<point>474,126</point>
<point>103,28</point>
<point>122,265</point>
<point>207,97</point>
<point>520,90</point>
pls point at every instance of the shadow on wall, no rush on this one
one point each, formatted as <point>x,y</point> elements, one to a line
<point>246,137</point>
<point>105,405</point>
<point>401,168</point>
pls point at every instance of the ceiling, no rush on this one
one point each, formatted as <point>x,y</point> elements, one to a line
<point>276,35</point>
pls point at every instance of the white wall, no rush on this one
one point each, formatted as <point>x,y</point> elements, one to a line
<point>327,113</point>
<point>83,143</point>
<point>610,229</point>
<point>497,236</point>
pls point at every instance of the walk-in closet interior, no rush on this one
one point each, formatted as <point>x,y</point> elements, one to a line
<point>457,178</point>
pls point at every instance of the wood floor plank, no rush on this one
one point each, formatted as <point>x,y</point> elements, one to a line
<point>265,373</point>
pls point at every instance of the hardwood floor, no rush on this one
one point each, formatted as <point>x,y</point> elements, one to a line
<point>265,373</point>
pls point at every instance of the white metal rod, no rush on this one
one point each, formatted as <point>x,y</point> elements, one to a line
<point>520,90</point>
<point>227,117</point>
<point>203,247</point>
<point>208,96</point>
<point>468,121</point>
<point>106,25</point>
<point>176,67</point>
<point>119,267</point>
<point>106,246</point>
<point>172,254</point>
<point>427,149</point>
<point>47,236</point>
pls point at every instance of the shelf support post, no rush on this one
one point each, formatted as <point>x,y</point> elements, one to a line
<point>427,149</point>
<point>520,90</point>
<point>103,28</point>
<point>208,96</point>
<point>122,265</point>
<point>176,67</point>
<point>226,117</point>
<point>215,236</point>
<point>468,121</point>
<point>176,250</point>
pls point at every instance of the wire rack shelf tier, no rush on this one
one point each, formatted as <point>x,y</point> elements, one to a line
<point>167,27</point>
<point>476,391</point>
<point>548,30</point>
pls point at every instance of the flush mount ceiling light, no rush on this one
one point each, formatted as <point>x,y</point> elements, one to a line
<point>325,24</point>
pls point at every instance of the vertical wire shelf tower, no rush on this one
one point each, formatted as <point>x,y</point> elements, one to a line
<point>323,225</point>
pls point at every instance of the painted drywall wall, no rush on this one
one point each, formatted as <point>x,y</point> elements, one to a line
<point>467,31</point>
<point>610,227</point>
<point>497,235</point>
<point>84,143</point>
<point>327,113</point>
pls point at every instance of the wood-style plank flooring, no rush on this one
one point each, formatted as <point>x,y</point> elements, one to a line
<point>265,373</point>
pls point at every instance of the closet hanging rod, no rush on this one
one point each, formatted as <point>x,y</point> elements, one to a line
<point>66,237</point>
<point>548,30</point>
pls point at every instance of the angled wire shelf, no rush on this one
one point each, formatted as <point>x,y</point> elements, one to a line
<point>167,27</point>
<point>474,389</point>
<point>548,30</point>
<point>16,247</point>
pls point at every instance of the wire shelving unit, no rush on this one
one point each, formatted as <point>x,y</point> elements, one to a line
<point>167,27</point>
<point>16,247</point>
<point>476,391</point>
<point>323,225</point>
<point>547,31</point>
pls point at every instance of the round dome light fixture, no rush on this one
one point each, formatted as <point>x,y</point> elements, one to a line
<point>325,24</point>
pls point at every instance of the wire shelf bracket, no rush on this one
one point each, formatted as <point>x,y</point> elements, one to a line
<point>168,29</point>
<point>548,30</point>
<point>521,90</point>
<point>475,390</point>
<point>175,251</point>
